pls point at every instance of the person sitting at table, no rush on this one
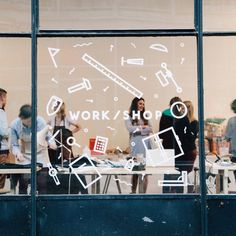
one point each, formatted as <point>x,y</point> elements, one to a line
<point>138,128</point>
<point>21,148</point>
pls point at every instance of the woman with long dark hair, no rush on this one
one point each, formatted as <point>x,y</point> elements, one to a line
<point>138,128</point>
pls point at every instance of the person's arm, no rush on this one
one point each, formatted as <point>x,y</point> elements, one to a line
<point>194,127</point>
<point>132,128</point>
<point>229,130</point>
<point>4,131</point>
<point>51,141</point>
<point>15,142</point>
<point>76,126</point>
<point>146,129</point>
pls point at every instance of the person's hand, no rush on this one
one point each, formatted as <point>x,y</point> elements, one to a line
<point>20,157</point>
<point>52,145</point>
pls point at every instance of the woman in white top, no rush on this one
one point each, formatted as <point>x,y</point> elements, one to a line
<point>65,128</point>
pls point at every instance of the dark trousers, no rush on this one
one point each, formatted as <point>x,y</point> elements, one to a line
<point>69,184</point>
<point>3,160</point>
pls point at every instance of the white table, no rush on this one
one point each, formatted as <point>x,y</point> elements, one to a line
<point>218,169</point>
<point>119,171</point>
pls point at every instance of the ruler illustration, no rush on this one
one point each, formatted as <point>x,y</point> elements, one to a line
<point>111,75</point>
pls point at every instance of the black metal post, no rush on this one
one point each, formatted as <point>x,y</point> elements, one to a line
<point>34,30</point>
<point>198,26</point>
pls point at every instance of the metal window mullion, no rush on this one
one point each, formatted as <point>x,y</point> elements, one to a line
<point>198,24</point>
<point>34,30</point>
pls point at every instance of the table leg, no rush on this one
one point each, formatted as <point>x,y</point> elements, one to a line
<point>118,184</point>
<point>140,184</point>
<point>225,182</point>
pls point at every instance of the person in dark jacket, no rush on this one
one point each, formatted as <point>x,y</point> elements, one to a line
<point>176,117</point>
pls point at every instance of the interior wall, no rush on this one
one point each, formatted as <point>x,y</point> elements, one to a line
<point>71,69</point>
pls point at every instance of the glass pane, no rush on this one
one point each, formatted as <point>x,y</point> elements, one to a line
<point>219,15</point>
<point>108,14</point>
<point>219,85</point>
<point>15,16</point>
<point>15,78</point>
<point>96,79</point>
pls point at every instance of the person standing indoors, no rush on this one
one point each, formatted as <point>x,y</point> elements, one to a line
<point>21,148</point>
<point>230,133</point>
<point>138,128</point>
<point>63,128</point>
<point>173,117</point>
<point>60,122</point>
<point>4,135</point>
<point>194,124</point>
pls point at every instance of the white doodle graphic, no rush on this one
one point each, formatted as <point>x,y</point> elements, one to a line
<point>155,95</point>
<point>133,45</point>
<point>53,173</point>
<point>89,100</point>
<point>82,44</point>
<point>72,142</point>
<point>100,144</point>
<point>105,89</point>
<point>109,127</point>
<point>123,182</point>
<point>53,105</point>
<point>54,80</point>
<point>182,109</point>
<point>115,99</point>
<point>143,176</point>
<point>129,165</point>
<point>158,143</point>
<point>111,75</point>
<point>84,159</point>
<point>84,85</point>
<point>182,60</point>
<point>181,181</point>
<point>159,47</point>
<point>133,144</point>
<point>72,70</point>
<point>59,157</point>
<point>53,52</point>
<point>181,45</point>
<point>142,77</point>
<point>185,129</point>
<point>119,149</point>
<point>164,76</point>
<point>136,130</point>
<point>86,130</point>
<point>132,61</point>
<point>111,47</point>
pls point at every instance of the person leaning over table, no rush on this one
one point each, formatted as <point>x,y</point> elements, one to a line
<point>4,136</point>
<point>138,128</point>
<point>230,133</point>
<point>21,149</point>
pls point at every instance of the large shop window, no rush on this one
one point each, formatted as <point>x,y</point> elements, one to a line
<point>98,88</point>
<point>219,83</point>
<point>15,79</point>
